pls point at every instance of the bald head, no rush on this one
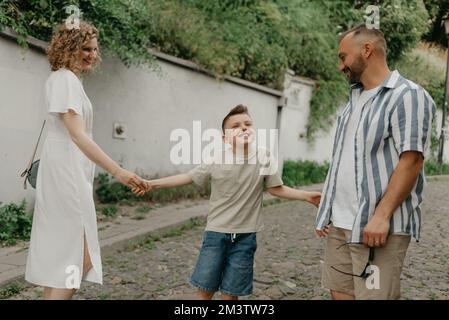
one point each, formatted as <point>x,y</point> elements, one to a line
<point>361,34</point>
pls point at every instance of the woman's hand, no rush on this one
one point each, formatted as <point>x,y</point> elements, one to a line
<point>314,198</point>
<point>130,179</point>
<point>140,192</point>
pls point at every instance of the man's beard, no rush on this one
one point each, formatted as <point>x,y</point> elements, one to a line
<point>354,73</point>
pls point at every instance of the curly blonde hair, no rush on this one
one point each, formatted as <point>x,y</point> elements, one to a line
<point>66,44</point>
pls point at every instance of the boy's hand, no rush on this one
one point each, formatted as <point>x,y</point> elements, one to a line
<point>314,197</point>
<point>140,191</point>
<point>322,233</point>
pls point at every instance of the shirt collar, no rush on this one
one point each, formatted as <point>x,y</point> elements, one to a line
<point>391,82</point>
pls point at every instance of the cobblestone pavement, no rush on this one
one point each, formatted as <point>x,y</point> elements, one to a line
<point>287,263</point>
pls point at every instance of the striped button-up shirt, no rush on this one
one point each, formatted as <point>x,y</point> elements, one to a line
<point>397,119</point>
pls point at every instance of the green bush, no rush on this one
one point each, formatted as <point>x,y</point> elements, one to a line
<point>115,192</point>
<point>301,173</point>
<point>15,223</point>
<point>112,192</point>
<point>110,211</point>
<point>433,168</point>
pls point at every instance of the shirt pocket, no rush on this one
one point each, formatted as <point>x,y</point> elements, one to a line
<point>225,179</point>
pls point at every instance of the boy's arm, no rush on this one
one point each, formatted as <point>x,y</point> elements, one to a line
<point>285,192</point>
<point>170,182</point>
<point>167,182</point>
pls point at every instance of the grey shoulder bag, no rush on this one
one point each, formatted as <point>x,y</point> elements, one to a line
<point>30,173</point>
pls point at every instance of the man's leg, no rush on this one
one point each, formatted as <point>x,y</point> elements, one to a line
<point>384,283</point>
<point>340,285</point>
<point>341,296</point>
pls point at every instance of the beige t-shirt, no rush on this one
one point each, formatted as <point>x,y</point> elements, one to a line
<point>237,189</point>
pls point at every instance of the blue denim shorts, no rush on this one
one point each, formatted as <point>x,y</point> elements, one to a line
<point>225,263</point>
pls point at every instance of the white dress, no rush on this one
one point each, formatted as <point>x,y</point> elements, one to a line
<point>64,210</point>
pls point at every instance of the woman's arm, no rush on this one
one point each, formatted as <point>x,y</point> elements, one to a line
<point>75,126</point>
<point>285,192</point>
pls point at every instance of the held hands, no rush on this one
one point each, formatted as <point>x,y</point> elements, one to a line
<point>139,191</point>
<point>131,180</point>
<point>322,233</point>
<point>314,197</point>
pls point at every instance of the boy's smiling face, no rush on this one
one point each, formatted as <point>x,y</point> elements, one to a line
<point>239,129</point>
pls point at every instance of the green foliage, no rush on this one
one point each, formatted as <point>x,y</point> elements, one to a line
<point>11,290</point>
<point>438,10</point>
<point>301,173</point>
<point>15,223</point>
<point>112,192</point>
<point>124,24</point>
<point>433,168</point>
<point>110,211</point>
<point>257,40</point>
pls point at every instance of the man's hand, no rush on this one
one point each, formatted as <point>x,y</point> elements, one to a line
<point>376,231</point>
<point>322,233</point>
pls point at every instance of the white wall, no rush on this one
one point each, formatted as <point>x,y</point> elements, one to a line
<point>295,113</point>
<point>22,75</point>
<point>152,106</point>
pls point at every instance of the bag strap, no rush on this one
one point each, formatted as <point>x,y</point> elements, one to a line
<point>28,169</point>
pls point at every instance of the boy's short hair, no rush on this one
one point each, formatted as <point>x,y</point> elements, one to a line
<point>239,109</point>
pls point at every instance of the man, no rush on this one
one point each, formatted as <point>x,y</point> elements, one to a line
<point>370,205</point>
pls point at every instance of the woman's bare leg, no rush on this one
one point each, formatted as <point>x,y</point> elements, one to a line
<point>67,294</point>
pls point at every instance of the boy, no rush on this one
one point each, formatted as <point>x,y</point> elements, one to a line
<point>226,258</point>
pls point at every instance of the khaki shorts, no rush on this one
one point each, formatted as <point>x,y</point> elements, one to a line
<point>387,264</point>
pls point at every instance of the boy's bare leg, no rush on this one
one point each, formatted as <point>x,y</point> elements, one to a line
<point>225,296</point>
<point>204,295</point>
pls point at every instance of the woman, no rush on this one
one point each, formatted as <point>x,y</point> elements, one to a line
<point>64,246</point>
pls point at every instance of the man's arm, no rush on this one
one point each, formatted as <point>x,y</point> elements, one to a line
<point>293,194</point>
<point>401,184</point>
